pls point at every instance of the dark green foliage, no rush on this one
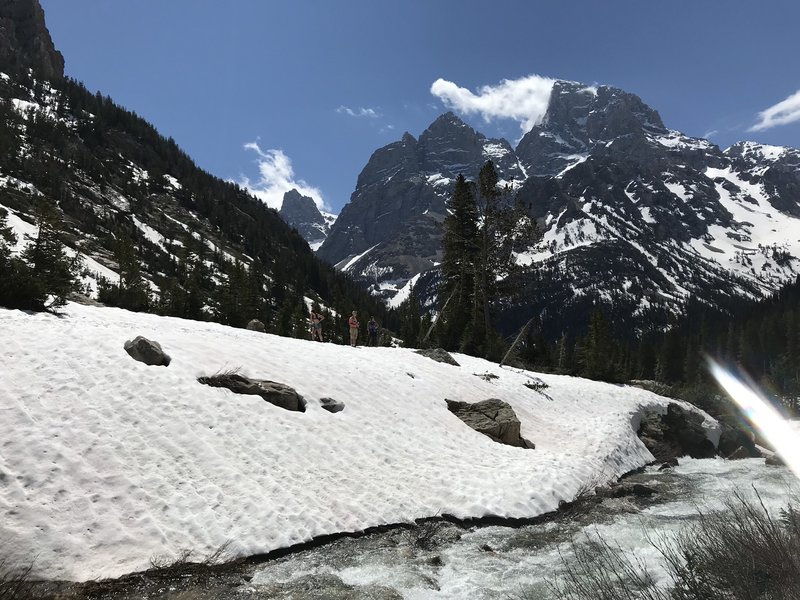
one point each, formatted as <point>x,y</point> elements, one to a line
<point>597,352</point>
<point>480,234</point>
<point>760,338</point>
<point>44,275</point>
<point>410,320</point>
<point>131,291</point>
<point>459,247</point>
<point>46,255</point>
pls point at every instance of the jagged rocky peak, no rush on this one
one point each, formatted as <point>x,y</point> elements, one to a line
<point>451,147</point>
<point>25,42</point>
<point>578,118</point>
<point>301,212</point>
<point>299,208</point>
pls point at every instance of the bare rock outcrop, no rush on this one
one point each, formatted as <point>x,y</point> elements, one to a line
<point>493,418</point>
<point>275,393</point>
<point>25,42</point>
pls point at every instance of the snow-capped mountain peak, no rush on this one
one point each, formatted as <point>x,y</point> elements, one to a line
<point>632,213</point>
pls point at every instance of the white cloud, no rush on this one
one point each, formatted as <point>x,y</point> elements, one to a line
<point>710,134</point>
<point>276,177</point>
<point>782,113</point>
<point>358,112</point>
<point>524,100</point>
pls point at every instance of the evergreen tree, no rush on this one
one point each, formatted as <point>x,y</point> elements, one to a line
<point>599,349</point>
<point>503,228</point>
<point>478,242</point>
<point>132,291</point>
<point>410,319</point>
<point>459,248</point>
<point>18,287</point>
<point>55,273</point>
<point>233,302</point>
<point>669,368</point>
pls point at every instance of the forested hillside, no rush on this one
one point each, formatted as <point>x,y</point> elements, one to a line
<point>153,231</point>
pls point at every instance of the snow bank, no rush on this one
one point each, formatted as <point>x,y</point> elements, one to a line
<point>105,462</point>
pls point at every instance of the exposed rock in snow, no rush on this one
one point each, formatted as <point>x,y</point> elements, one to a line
<point>256,325</point>
<point>493,418</point>
<point>439,355</point>
<point>147,351</point>
<point>331,405</point>
<point>278,394</point>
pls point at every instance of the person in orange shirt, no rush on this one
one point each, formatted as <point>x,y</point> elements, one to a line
<point>353,322</point>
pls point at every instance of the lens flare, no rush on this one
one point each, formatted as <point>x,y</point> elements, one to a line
<point>761,414</point>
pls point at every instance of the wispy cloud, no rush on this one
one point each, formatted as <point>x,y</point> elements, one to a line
<point>710,134</point>
<point>276,177</point>
<point>782,113</point>
<point>369,113</point>
<point>524,100</point>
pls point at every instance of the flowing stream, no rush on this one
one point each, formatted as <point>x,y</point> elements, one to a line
<point>516,562</point>
<point>440,560</point>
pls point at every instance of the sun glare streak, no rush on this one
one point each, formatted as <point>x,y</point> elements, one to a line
<point>762,415</point>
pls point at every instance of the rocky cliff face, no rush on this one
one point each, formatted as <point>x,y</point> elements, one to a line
<point>578,121</point>
<point>391,229</point>
<point>634,216</point>
<point>25,42</point>
<point>302,213</point>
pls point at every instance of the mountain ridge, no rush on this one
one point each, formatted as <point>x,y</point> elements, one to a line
<point>631,212</point>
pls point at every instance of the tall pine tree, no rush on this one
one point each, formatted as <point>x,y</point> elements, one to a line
<point>459,247</point>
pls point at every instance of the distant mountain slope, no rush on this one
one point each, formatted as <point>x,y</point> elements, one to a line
<point>206,247</point>
<point>633,215</point>
<point>301,213</point>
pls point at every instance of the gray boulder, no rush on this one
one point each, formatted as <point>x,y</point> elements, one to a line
<point>737,442</point>
<point>256,325</point>
<point>147,351</point>
<point>331,405</point>
<point>678,433</point>
<point>493,418</point>
<point>279,394</point>
<point>439,355</point>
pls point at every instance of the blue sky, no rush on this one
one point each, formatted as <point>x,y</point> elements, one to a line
<point>278,93</point>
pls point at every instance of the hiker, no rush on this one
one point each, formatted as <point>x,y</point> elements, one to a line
<point>372,329</point>
<point>316,325</point>
<point>353,322</point>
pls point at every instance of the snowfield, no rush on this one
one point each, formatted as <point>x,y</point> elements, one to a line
<point>106,462</point>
